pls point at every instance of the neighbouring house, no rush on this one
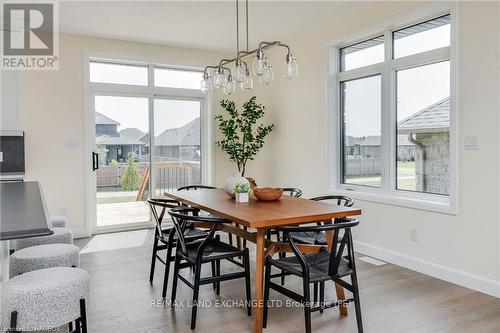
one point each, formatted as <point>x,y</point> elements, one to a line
<point>174,144</point>
<point>364,154</point>
<point>369,147</point>
<point>181,143</point>
<point>429,131</point>
<point>116,145</point>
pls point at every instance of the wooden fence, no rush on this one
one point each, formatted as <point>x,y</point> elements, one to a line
<point>168,175</point>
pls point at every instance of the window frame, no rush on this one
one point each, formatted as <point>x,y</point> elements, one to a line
<point>91,89</point>
<point>388,193</point>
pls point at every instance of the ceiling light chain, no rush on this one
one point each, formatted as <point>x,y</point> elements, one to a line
<point>223,77</point>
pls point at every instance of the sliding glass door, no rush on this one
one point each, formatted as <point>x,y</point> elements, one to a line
<point>121,160</point>
<point>176,144</point>
<point>146,124</point>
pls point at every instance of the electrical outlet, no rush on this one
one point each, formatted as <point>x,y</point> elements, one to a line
<point>471,143</point>
<point>414,234</point>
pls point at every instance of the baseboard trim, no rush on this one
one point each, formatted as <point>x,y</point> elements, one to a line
<point>461,278</point>
<point>80,233</point>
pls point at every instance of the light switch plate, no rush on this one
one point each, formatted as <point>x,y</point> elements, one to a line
<point>471,143</point>
<point>71,144</point>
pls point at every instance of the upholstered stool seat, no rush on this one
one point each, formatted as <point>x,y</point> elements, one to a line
<point>58,221</point>
<point>60,236</point>
<point>45,299</point>
<point>44,256</point>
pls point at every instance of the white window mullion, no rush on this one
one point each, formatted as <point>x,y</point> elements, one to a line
<point>387,117</point>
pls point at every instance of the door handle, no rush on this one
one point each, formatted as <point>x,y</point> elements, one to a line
<point>95,161</point>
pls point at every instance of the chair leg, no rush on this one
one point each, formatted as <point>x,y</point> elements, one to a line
<point>322,296</point>
<point>357,305</point>
<point>197,275</point>
<point>267,280</point>
<point>315,292</point>
<point>214,274</point>
<point>153,258</point>
<point>247,281</point>
<point>282,255</point>
<point>217,271</point>
<point>167,270</point>
<point>78,326</point>
<point>83,315</point>
<point>70,327</point>
<point>244,240</point>
<point>13,322</point>
<point>307,305</point>
<point>174,282</point>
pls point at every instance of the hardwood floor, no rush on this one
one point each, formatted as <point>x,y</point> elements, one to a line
<point>393,299</point>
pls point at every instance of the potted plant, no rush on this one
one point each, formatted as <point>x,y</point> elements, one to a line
<point>241,191</point>
<point>242,138</point>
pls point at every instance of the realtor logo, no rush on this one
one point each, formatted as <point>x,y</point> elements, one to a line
<point>29,36</point>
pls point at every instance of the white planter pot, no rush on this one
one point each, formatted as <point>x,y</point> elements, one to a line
<point>241,197</point>
<point>232,181</point>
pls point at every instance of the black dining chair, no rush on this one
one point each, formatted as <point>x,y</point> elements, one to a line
<point>326,265</point>
<point>207,250</point>
<point>164,238</point>
<point>195,187</point>
<point>318,237</point>
<point>293,192</point>
<point>206,187</point>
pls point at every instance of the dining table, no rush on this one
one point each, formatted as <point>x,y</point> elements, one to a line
<point>259,216</point>
<point>23,214</point>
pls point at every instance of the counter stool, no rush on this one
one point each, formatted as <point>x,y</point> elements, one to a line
<point>46,299</point>
<point>58,221</point>
<point>44,256</point>
<point>60,236</point>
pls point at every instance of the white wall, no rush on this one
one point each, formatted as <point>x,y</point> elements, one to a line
<point>53,107</point>
<point>11,117</point>
<point>463,248</point>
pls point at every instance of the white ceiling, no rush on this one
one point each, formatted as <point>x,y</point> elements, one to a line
<point>197,24</point>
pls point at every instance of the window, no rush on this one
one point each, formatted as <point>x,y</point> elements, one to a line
<point>174,78</point>
<point>392,100</point>
<point>150,130</point>
<point>361,110</point>
<point>362,54</point>
<point>425,36</point>
<point>423,126</point>
<point>118,73</point>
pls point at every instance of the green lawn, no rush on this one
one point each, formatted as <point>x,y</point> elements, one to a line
<point>406,178</point>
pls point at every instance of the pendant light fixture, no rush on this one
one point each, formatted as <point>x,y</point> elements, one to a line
<point>222,76</point>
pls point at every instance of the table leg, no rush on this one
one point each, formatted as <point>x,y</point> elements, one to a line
<point>338,288</point>
<point>259,280</point>
<point>4,253</point>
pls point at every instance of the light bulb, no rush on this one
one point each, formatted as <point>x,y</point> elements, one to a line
<point>229,86</point>
<point>239,70</point>
<point>290,67</point>
<point>259,64</point>
<point>220,77</point>
<point>247,81</point>
<point>267,77</point>
<point>207,84</point>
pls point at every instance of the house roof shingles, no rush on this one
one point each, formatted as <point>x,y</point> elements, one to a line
<point>434,118</point>
<point>101,119</point>
<point>187,135</point>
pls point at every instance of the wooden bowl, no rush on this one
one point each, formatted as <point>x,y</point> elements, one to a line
<point>267,193</point>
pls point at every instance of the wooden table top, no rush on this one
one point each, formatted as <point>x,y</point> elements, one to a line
<point>262,214</point>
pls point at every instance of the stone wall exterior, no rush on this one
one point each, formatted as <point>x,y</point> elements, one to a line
<point>435,172</point>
